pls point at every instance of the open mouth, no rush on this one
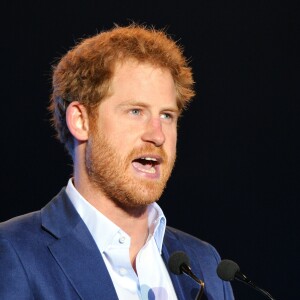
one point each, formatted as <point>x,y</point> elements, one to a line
<point>147,164</point>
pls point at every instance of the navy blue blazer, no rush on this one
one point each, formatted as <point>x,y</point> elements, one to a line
<point>50,254</point>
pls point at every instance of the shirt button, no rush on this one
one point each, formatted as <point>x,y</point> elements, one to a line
<point>122,240</point>
<point>122,271</point>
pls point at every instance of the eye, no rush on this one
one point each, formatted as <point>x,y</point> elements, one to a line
<point>135,111</point>
<point>167,116</point>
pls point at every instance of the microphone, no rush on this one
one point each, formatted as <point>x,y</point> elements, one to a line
<point>179,263</point>
<point>229,270</point>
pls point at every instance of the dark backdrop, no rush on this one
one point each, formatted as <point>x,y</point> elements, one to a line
<point>235,183</point>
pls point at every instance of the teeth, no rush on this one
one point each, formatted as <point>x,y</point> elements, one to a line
<point>149,158</point>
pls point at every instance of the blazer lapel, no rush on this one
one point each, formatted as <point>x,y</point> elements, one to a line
<point>75,250</point>
<point>185,287</point>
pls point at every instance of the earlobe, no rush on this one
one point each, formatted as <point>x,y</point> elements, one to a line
<point>77,121</point>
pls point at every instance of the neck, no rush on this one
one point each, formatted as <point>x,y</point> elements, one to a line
<point>132,220</point>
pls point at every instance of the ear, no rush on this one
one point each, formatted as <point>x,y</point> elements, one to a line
<point>77,121</point>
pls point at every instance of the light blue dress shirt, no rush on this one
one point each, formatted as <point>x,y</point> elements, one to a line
<point>152,280</point>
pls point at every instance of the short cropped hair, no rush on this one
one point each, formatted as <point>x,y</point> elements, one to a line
<point>84,74</point>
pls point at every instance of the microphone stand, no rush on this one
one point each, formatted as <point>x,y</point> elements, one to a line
<point>243,278</point>
<point>187,270</point>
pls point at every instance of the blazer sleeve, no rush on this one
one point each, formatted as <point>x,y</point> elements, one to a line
<point>13,279</point>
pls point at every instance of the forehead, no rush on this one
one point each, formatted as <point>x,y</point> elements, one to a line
<point>142,81</point>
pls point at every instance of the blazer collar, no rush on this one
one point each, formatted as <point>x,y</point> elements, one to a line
<point>75,250</point>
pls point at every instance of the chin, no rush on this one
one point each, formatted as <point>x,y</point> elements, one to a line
<point>139,199</point>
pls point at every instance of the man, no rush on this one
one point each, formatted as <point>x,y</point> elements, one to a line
<point>116,100</point>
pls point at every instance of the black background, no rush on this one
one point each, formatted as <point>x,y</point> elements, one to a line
<point>235,183</point>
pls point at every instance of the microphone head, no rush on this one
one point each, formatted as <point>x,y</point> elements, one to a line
<point>176,260</point>
<point>227,269</point>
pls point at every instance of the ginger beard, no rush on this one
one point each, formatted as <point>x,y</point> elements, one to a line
<point>112,173</point>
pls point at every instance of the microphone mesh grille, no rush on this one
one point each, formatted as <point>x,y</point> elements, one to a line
<point>227,269</point>
<point>176,260</point>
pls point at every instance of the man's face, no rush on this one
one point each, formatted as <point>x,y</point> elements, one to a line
<point>132,144</point>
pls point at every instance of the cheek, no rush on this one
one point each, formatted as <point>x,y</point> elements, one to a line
<point>171,142</point>
<point>124,140</point>
<point>117,132</point>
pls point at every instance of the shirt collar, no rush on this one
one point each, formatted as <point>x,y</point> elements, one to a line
<point>156,224</point>
<point>104,231</point>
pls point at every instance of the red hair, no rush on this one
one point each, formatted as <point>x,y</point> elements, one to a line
<point>85,72</point>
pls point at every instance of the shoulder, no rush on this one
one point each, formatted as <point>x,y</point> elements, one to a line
<point>193,245</point>
<point>20,225</point>
<point>22,233</point>
<point>30,225</point>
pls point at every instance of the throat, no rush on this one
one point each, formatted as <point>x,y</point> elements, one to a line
<point>135,246</point>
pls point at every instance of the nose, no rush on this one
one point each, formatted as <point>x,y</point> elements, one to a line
<point>154,132</point>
